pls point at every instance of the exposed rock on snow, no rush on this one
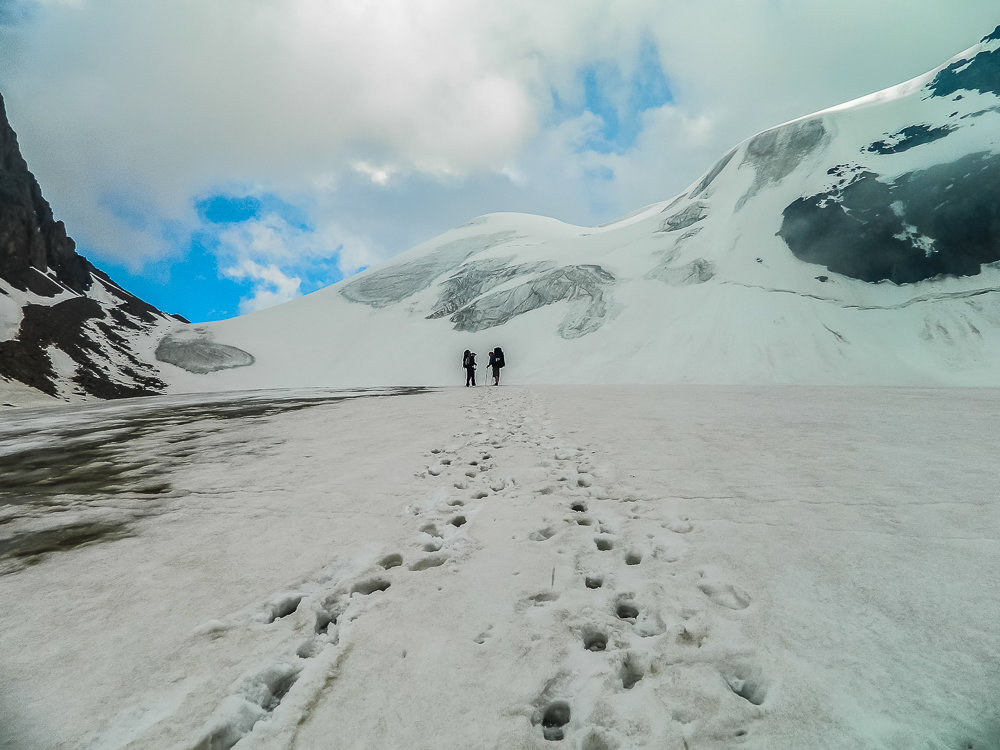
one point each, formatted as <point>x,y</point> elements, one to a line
<point>475,278</point>
<point>685,218</point>
<point>909,137</point>
<point>404,279</point>
<point>776,153</point>
<point>979,73</point>
<point>31,240</point>
<point>67,329</point>
<point>697,271</point>
<point>940,220</point>
<point>588,287</point>
<point>192,349</point>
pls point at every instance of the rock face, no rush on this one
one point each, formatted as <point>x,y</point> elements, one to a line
<point>193,350</point>
<point>31,241</point>
<point>65,327</point>
<point>923,224</point>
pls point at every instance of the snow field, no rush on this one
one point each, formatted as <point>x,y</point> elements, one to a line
<point>535,567</point>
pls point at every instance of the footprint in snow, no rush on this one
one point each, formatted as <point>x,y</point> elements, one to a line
<point>484,636</point>
<point>391,561</point>
<point>555,717</point>
<point>627,611</point>
<point>725,595</point>
<point>282,606</point>
<point>594,640</point>
<point>631,671</point>
<point>542,534</point>
<point>369,586</point>
<point>679,525</point>
<point>747,682</point>
<point>431,561</point>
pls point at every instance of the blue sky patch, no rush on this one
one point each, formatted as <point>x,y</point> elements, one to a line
<point>618,101</point>
<point>226,208</point>
<point>193,285</point>
<point>190,286</point>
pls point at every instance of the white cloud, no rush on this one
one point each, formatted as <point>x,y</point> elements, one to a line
<point>281,258</point>
<point>378,175</point>
<point>389,120</point>
<point>270,285</point>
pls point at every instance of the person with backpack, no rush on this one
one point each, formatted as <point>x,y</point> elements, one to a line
<point>496,362</point>
<point>469,363</point>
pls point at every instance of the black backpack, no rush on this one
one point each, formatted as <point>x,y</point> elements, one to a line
<point>469,360</point>
<point>499,359</point>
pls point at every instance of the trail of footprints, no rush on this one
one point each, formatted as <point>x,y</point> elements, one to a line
<point>640,619</point>
<point>337,598</point>
<point>637,628</point>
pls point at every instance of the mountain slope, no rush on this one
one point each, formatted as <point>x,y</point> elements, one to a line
<point>855,245</point>
<point>66,329</point>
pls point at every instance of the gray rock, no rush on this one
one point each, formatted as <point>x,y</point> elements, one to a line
<point>774,154</point>
<point>944,220</point>
<point>588,286</point>
<point>697,271</point>
<point>194,351</point>
<point>31,240</point>
<point>38,257</point>
<point>683,219</point>
<point>478,277</point>
<point>387,286</point>
<point>981,73</point>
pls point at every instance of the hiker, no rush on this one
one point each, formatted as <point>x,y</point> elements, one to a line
<point>496,362</point>
<point>469,363</point>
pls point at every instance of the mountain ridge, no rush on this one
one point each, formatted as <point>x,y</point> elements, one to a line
<point>66,329</point>
<point>858,244</point>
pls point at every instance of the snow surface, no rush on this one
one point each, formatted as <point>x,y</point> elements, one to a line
<point>624,566</point>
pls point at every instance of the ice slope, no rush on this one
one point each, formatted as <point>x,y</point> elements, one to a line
<point>856,245</point>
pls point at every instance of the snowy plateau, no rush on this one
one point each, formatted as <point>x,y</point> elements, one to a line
<point>736,489</point>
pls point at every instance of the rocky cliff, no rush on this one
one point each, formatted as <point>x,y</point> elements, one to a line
<point>65,327</point>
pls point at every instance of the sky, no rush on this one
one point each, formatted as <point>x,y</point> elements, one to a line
<point>218,158</point>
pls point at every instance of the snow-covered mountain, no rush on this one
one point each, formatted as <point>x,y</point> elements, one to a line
<point>859,244</point>
<point>855,245</point>
<point>66,329</point>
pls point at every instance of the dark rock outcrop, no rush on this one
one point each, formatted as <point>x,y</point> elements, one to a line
<point>939,221</point>
<point>31,240</point>
<point>95,332</point>
<point>981,73</point>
